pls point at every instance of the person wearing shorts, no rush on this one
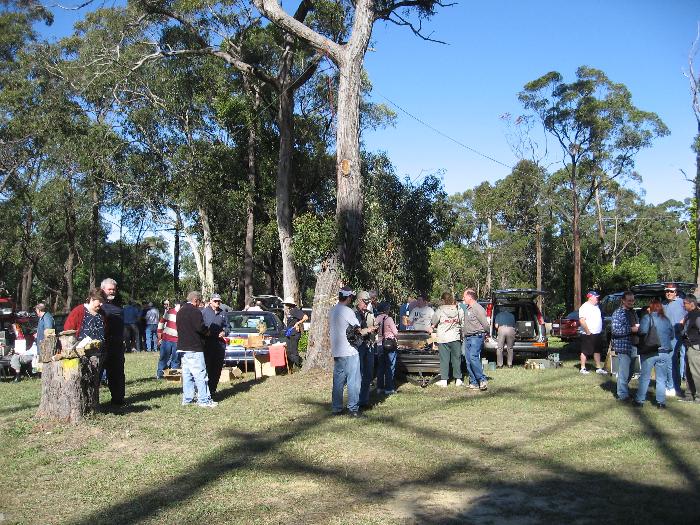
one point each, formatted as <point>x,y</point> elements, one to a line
<point>591,322</point>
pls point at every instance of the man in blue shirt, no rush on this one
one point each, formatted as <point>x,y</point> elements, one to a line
<point>624,327</point>
<point>674,311</point>
<point>45,322</point>
<point>505,324</point>
<point>132,338</point>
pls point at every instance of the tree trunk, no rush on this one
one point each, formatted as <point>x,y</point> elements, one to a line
<point>252,190</point>
<point>538,265</point>
<point>176,255</point>
<point>601,225</point>
<point>697,208</point>
<point>349,187</point>
<point>318,353</point>
<point>285,122</point>
<point>208,254</point>
<point>576,231</point>
<point>27,279</point>
<point>70,387</point>
<point>69,266</point>
<point>94,233</point>
<point>489,257</point>
<point>194,248</point>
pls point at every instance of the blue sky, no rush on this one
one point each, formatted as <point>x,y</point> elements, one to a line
<point>494,48</point>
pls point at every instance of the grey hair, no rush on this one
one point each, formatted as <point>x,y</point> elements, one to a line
<point>194,296</point>
<point>107,281</point>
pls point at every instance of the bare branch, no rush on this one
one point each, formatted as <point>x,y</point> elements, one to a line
<point>274,12</point>
<point>397,19</point>
<point>72,8</point>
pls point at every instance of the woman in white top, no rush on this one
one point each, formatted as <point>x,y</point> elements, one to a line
<point>448,320</point>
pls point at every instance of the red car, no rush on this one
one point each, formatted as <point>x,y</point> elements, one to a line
<point>566,328</point>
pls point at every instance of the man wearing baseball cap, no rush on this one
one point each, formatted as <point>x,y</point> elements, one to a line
<point>346,359</point>
<point>675,312</point>
<point>591,326</point>
<point>214,346</point>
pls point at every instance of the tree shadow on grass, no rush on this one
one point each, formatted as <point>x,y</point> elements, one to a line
<point>239,387</point>
<point>464,488</point>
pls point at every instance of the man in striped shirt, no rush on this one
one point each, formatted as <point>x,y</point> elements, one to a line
<point>167,338</point>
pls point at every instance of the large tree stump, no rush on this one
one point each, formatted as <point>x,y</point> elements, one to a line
<point>70,383</point>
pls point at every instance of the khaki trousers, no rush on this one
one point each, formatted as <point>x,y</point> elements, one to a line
<point>506,336</point>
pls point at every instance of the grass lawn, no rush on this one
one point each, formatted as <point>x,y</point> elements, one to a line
<point>541,446</point>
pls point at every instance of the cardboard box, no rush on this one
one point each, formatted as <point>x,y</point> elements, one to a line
<point>254,341</point>
<point>173,375</point>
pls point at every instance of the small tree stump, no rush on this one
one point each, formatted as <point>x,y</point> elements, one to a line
<point>70,387</point>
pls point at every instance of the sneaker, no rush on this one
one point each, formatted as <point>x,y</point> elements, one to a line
<point>459,382</point>
<point>670,392</point>
<point>584,371</point>
<point>601,371</point>
<point>210,404</point>
<point>483,385</point>
<point>442,383</point>
<point>358,415</point>
<point>473,386</point>
<point>637,404</point>
<point>187,403</point>
<point>661,405</point>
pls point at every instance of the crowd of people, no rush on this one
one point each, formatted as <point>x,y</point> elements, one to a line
<point>364,341</point>
<point>363,334</point>
<point>666,341</point>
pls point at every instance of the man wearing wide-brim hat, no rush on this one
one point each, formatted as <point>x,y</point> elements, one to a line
<point>294,319</point>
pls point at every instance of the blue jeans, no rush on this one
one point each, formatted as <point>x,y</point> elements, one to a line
<point>386,369</point>
<point>625,365</point>
<point>194,377</point>
<point>346,370</point>
<point>366,371</point>
<point>168,354</point>
<point>472,354</point>
<point>151,341</point>
<point>676,365</point>
<point>660,361</point>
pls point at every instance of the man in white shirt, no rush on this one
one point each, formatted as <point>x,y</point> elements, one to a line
<point>591,322</point>
<point>421,315</point>
<point>346,360</point>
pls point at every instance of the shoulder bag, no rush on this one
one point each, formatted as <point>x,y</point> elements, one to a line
<point>650,343</point>
<point>389,345</point>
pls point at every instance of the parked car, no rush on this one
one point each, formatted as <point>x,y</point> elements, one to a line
<point>271,303</point>
<point>241,324</point>
<point>567,327</point>
<point>530,332</point>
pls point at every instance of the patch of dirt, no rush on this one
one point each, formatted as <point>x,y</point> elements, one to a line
<point>501,505</point>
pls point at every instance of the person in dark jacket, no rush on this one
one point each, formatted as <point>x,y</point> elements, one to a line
<point>294,319</point>
<point>214,346</point>
<point>114,341</point>
<point>190,344</point>
<point>691,336</point>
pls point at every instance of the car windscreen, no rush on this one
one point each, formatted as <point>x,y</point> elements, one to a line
<point>250,322</point>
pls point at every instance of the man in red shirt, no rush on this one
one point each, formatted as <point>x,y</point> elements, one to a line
<point>167,338</point>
